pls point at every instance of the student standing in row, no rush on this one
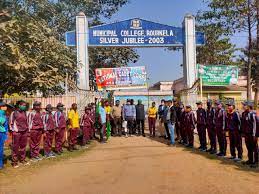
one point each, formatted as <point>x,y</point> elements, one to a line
<point>49,128</point>
<point>3,131</point>
<point>249,128</point>
<point>220,116</point>
<point>60,121</point>
<point>233,128</point>
<point>36,127</point>
<point>102,120</point>
<point>86,125</point>
<point>20,129</point>
<point>189,122</point>
<point>201,126</point>
<point>210,115</point>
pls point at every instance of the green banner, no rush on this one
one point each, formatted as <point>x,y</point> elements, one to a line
<point>218,75</point>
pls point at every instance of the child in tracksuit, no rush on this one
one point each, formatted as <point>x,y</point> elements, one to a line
<point>86,124</point>
<point>49,128</point>
<point>190,122</point>
<point>19,126</point>
<point>3,131</point>
<point>36,127</point>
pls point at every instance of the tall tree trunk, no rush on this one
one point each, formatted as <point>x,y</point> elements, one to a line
<point>257,58</point>
<point>249,50</point>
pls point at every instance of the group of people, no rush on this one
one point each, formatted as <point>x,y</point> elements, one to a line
<point>37,127</point>
<point>31,127</point>
<point>215,121</point>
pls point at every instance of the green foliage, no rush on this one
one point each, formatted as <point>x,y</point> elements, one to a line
<point>33,56</point>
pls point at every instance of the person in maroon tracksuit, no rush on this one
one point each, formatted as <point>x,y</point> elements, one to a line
<point>219,121</point>
<point>49,127</point>
<point>190,121</point>
<point>86,124</point>
<point>249,128</point>
<point>19,127</point>
<point>93,114</point>
<point>60,121</point>
<point>182,126</point>
<point>201,126</point>
<point>210,112</point>
<point>233,124</point>
<point>36,126</point>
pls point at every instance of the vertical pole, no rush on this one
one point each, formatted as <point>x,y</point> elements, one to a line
<point>201,91</point>
<point>82,37</point>
<point>189,51</point>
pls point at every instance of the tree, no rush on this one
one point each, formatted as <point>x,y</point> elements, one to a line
<point>235,16</point>
<point>218,49</point>
<point>33,56</point>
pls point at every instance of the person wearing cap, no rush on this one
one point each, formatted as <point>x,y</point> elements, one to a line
<point>182,126</point>
<point>86,123</point>
<point>73,120</point>
<point>190,122</point>
<point>152,116</point>
<point>3,131</point>
<point>210,112</point>
<point>49,128</point>
<point>248,128</point>
<point>233,124</point>
<point>116,115</point>
<point>18,125</point>
<point>219,120</point>
<point>201,126</point>
<point>36,127</point>
<point>60,122</point>
<point>140,118</point>
<point>129,115</point>
<point>177,122</point>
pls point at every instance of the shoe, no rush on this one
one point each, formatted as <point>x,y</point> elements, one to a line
<point>176,139</point>
<point>143,135</point>
<point>34,160</point>
<point>232,158</point>
<point>247,162</point>
<point>126,136</point>
<point>220,154</point>
<point>213,152</point>
<point>189,146</point>
<point>47,156</point>
<point>75,148</point>
<point>25,163</point>
<point>200,148</point>
<point>70,149</point>
<point>237,159</point>
<point>204,149</point>
<point>58,153</point>
<point>15,166</point>
<point>209,150</point>
<point>254,165</point>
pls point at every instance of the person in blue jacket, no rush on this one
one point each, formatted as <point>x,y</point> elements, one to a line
<point>3,131</point>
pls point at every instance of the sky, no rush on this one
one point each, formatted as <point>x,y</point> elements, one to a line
<point>161,64</point>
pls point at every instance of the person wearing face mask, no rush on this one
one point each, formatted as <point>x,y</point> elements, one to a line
<point>49,128</point>
<point>3,131</point>
<point>129,115</point>
<point>161,110</point>
<point>36,127</point>
<point>60,124</point>
<point>73,119</point>
<point>19,127</point>
<point>233,123</point>
<point>219,121</point>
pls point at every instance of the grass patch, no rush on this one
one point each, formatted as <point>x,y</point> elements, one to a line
<point>9,173</point>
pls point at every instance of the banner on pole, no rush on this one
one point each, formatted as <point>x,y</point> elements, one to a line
<point>121,78</point>
<point>218,75</point>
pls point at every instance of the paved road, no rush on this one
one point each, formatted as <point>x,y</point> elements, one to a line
<point>138,165</point>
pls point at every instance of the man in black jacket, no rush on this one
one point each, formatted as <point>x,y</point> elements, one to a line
<point>140,117</point>
<point>201,126</point>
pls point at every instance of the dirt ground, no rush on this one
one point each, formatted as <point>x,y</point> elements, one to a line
<point>135,165</point>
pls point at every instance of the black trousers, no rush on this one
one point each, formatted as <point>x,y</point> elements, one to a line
<point>141,125</point>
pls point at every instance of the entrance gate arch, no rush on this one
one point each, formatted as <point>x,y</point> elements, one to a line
<point>135,32</point>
